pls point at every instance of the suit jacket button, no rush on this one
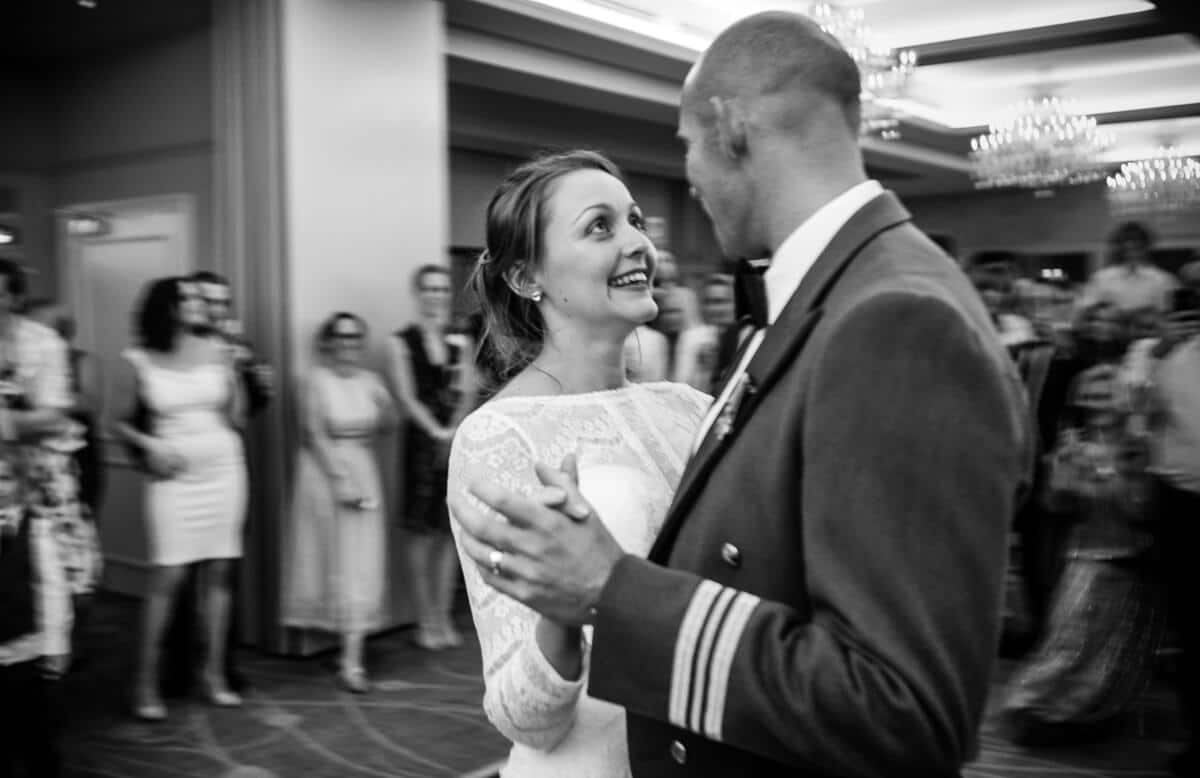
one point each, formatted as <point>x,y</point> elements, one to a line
<point>679,752</point>
<point>731,554</point>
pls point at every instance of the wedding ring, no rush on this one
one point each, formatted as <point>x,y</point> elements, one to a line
<point>495,559</point>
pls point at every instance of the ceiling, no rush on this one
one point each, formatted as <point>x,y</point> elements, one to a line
<point>1133,64</point>
<point>45,32</point>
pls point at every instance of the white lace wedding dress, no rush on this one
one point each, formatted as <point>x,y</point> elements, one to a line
<point>632,444</point>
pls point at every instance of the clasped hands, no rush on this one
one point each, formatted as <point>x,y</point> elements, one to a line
<point>553,554</point>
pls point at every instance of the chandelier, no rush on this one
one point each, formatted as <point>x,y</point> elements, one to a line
<point>1166,182</point>
<point>1039,143</point>
<point>884,72</point>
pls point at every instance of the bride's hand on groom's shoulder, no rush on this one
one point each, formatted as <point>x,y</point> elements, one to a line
<point>553,554</point>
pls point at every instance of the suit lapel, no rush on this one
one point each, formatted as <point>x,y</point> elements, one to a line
<point>783,341</point>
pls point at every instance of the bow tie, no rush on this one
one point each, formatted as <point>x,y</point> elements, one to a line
<point>750,292</point>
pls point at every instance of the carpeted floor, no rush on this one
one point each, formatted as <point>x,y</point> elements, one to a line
<point>422,719</point>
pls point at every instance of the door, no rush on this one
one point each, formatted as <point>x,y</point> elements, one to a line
<point>108,252</point>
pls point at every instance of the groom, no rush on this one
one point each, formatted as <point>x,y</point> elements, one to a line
<point>824,598</point>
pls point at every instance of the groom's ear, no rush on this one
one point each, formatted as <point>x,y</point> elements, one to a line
<point>730,124</point>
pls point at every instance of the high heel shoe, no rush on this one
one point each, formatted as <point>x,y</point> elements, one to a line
<point>220,695</point>
<point>355,681</point>
<point>147,707</point>
<point>429,639</point>
<point>451,637</point>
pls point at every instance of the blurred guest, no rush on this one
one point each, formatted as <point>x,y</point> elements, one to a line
<point>87,390</point>
<point>1106,617</point>
<point>1101,334</point>
<point>993,275</point>
<point>337,571</point>
<point>1174,388</point>
<point>434,380</point>
<point>35,625</point>
<point>35,393</point>
<point>1131,280</point>
<point>647,355</point>
<point>86,386</point>
<point>196,494</point>
<point>696,352</point>
<point>257,375</point>
<point>666,277</point>
<point>183,644</point>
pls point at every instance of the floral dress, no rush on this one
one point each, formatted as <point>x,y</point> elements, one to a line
<point>35,373</point>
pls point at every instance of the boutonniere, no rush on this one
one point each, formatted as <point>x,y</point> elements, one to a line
<point>725,419</point>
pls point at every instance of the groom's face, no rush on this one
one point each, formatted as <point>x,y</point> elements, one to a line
<point>715,179</point>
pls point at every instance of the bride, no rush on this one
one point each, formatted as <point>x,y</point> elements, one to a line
<point>564,280</point>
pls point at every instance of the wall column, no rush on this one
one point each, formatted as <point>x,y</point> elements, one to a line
<point>331,190</point>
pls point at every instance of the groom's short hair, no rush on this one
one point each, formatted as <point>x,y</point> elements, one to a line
<point>776,53</point>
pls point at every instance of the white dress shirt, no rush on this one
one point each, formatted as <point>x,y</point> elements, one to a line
<point>789,264</point>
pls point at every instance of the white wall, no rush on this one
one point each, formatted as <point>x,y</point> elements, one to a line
<point>365,156</point>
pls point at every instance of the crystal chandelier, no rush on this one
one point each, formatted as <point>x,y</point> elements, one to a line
<point>1040,143</point>
<point>884,72</point>
<point>1166,182</point>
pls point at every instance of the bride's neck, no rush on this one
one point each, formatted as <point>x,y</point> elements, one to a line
<point>588,366</point>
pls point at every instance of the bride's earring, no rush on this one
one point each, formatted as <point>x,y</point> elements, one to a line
<point>536,295</point>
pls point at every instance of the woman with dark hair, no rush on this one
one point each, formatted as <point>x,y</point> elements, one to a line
<point>338,541</point>
<point>195,499</point>
<point>434,379</point>
<point>565,279</point>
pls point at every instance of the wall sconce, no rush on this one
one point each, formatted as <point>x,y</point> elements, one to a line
<point>9,236</point>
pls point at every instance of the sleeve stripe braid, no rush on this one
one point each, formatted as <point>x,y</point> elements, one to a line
<point>685,648</point>
<point>703,659</point>
<point>722,662</point>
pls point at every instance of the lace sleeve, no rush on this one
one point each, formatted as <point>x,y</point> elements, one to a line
<point>525,698</point>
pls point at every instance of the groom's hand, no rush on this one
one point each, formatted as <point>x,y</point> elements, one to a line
<point>557,554</point>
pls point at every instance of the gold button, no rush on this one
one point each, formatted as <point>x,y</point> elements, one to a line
<point>731,554</point>
<point>679,752</point>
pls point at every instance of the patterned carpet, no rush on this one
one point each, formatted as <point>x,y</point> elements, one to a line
<point>423,719</point>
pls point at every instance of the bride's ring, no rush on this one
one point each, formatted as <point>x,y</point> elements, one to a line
<point>495,559</point>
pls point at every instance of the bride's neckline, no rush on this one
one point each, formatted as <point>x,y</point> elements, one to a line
<point>596,394</point>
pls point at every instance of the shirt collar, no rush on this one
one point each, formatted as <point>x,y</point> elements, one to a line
<point>800,250</point>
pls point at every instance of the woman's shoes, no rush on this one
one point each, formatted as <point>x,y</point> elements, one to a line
<point>428,638</point>
<point>355,680</point>
<point>435,638</point>
<point>219,695</point>
<point>451,638</point>
<point>148,707</point>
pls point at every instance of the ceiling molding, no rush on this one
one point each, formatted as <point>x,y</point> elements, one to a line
<point>1157,113</point>
<point>543,27</point>
<point>1109,29</point>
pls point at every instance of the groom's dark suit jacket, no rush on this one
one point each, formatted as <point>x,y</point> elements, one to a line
<point>824,599</point>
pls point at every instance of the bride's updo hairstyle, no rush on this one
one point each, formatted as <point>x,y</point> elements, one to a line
<point>513,329</point>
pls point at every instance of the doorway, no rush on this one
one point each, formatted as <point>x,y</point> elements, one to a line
<point>107,252</point>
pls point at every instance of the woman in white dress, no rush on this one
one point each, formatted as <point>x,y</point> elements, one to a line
<point>338,548</point>
<point>563,282</point>
<point>186,406</point>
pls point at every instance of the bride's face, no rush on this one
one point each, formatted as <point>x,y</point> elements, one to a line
<point>597,262</point>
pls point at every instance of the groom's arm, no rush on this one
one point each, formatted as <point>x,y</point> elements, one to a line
<point>911,449</point>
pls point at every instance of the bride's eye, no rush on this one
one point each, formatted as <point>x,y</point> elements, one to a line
<point>597,225</point>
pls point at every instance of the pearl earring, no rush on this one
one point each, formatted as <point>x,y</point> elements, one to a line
<point>536,295</point>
